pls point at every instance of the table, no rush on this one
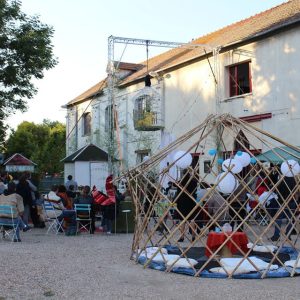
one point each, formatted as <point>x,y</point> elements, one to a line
<point>216,239</point>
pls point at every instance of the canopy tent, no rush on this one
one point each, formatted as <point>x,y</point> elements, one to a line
<point>279,154</point>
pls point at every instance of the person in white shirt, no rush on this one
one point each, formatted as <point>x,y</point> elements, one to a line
<point>56,201</point>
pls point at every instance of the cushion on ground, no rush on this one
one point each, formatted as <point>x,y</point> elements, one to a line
<point>152,250</point>
<point>229,270</point>
<point>292,263</point>
<point>246,265</point>
<point>164,257</point>
<point>262,248</point>
<point>182,262</point>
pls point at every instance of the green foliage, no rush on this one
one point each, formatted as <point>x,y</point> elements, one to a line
<point>43,143</point>
<point>25,52</point>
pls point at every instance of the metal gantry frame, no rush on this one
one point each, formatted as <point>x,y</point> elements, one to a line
<point>112,40</point>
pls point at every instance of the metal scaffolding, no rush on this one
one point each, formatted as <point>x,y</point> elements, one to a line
<point>112,40</point>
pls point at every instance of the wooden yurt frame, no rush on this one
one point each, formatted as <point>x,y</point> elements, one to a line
<point>156,230</point>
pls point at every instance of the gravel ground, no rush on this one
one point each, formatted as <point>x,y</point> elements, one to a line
<point>98,267</point>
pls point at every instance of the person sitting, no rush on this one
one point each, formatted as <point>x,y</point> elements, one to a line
<point>71,192</point>
<point>16,202</point>
<point>56,202</point>
<point>86,198</point>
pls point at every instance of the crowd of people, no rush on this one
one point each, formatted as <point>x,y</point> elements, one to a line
<point>27,205</point>
<point>276,195</point>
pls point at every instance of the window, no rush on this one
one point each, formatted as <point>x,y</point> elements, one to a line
<point>87,120</point>
<point>143,103</point>
<point>141,155</point>
<point>207,166</point>
<point>109,113</point>
<point>240,79</point>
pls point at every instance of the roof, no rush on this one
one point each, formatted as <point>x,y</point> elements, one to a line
<point>128,66</point>
<point>87,153</point>
<point>91,92</point>
<point>279,154</point>
<point>98,88</point>
<point>254,27</point>
<point>18,159</point>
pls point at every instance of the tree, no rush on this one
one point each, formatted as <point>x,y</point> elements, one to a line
<point>44,144</point>
<point>25,52</point>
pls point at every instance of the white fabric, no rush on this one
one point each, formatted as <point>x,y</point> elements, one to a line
<point>148,252</point>
<point>52,196</point>
<point>152,250</point>
<point>57,202</point>
<point>265,197</point>
<point>182,262</point>
<point>292,263</point>
<point>262,248</point>
<point>164,257</point>
<point>229,270</point>
<point>250,197</point>
<point>246,265</point>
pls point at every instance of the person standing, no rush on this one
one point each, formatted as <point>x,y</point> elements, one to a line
<point>287,197</point>
<point>23,189</point>
<point>186,203</point>
<point>33,208</point>
<point>70,182</point>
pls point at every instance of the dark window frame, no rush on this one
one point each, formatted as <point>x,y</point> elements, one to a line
<point>108,118</point>
<point>87,123</point>
<point>207,166</point>
<point>240,79</point>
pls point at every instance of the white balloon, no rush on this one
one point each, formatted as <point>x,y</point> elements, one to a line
<point>182,159</point>
<point>244,158</point>
<point>232,164</point>
<point>290,168</point>
<point>227,184</point>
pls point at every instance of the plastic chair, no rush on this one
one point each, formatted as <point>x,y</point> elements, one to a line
<point>8,226</point>
<point>83,217</point>
<point>51,218</point>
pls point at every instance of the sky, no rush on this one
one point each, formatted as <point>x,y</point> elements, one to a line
<point>82,28</point>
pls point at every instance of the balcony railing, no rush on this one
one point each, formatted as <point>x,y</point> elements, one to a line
<point>147,120</point>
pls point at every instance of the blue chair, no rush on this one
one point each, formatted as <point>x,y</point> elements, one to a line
<point>83,217</point>
<point>8,226</point>
<point>54,224</point>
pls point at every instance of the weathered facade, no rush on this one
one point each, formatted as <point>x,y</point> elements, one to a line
<point>249,69</point>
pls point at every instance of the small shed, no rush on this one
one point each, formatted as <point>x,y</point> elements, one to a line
<point>88,166</point>
<point>19,163</point>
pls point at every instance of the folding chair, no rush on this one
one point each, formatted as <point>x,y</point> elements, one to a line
<point>51,218</point>
<point>83,217</point>
<point>8,226</point>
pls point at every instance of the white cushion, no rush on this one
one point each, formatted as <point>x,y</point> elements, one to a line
<point>148,252</point>
<point>262,248</point>
<point>182,262</point>
<point>164,258</point>
<point>259,263</point>
<point>229,270</point>
<point>292,263</point>
<point>152,250</point>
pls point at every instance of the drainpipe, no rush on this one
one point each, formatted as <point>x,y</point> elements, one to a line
<point>76,129</point>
